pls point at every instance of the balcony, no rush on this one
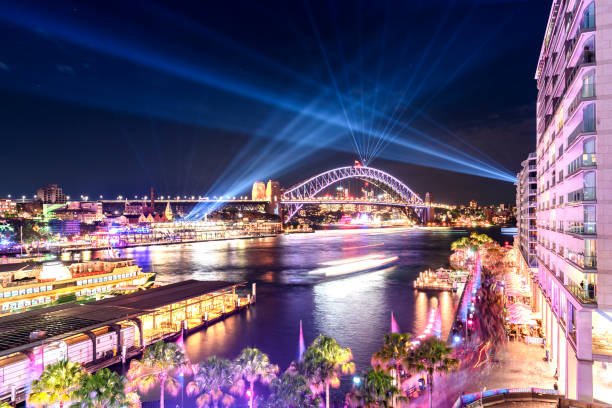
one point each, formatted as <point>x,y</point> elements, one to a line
<point>583,162</point>
<point>580,261</point>
<point>579,196</point>
<point>587,92</point>
<point>587,126</point>
<point>587,58</point>
<point>586,294</point>
<point>582,228</point>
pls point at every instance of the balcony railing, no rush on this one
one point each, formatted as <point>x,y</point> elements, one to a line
<point>585,293</point>
<point>586,126</point>
<point>582,228</point>
<point>584,161</point>
<point>587,91</point>
<point>584,194</point>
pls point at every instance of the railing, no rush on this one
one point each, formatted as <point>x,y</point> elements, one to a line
<point>586,126</point>
<point>585,293</point>
<point>582,228</point>
<point>582,261</point>
<point>585,160</point>
<point>587,91</point>
<point>588,57</point>
<point>584,194</point>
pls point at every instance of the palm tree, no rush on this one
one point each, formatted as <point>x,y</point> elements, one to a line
<point>104,389</point>
<point>57,384</point>
<point>291,391</point>
<point>253,365</point>
<point>210,378</point>
<point>431,356</point>
<point>323,362</point>
<point>159,364</point>
<point>376,390</point>
<point>5,405</point>
<point>392,354</point>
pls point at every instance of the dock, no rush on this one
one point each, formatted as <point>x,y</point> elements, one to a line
<point>108,331</point>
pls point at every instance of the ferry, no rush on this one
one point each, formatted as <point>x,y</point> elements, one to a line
<point>33,285</point>
<point>350,266</point>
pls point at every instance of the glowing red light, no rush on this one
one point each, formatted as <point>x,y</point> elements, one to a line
<point>470,322</point>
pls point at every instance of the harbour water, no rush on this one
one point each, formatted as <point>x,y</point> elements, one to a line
<point>355,309</point>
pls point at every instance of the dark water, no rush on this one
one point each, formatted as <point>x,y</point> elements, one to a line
<point>354,310</point>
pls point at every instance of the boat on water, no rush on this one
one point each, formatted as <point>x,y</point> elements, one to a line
<point>440,280</point>
<point>24,286</point>
<point>351,266</point>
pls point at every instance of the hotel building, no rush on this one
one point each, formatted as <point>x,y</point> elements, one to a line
<point>572,287</point>
<point>526,191</point>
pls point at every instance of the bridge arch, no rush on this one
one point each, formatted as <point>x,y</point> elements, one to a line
<point>311,187</point>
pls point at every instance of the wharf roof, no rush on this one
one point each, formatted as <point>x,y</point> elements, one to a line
<point>69,319</point>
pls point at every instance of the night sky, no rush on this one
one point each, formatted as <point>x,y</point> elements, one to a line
<point>206,97</point>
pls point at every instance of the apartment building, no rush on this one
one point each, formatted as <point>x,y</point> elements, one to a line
<point>573,284</point>
<point>526,192</point>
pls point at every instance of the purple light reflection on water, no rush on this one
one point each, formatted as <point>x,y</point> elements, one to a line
<point>355,310</point>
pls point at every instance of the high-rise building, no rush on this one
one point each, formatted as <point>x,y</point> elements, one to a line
<point>526,193</point>
<point>51,194</point>
<point>573,286</point>
<point>473,205</point>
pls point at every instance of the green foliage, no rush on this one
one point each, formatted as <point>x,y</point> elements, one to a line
<point>104,389</point>
<point>30,229</point>
<point>67,298</point>
<point>210,380</point>
<point>160,363</point>
<point>253,365</point>
<point>57,384</point>
<point>291,391</point>
<point>323,362</point>
<point>376,390</point>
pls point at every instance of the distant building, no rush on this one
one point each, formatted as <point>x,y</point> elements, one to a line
<point>7,205</point>
<point>65,227</point>
<point>473,205</point>
<point>259,191</point>
<point>168,212</point>
<point>273,196</point>
<point>526,194</point>
<point>51,194</point>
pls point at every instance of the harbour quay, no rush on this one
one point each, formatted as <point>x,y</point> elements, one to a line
<point>108,331</point>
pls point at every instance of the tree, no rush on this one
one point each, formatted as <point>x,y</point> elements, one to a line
<point>376,390</point>
<point>57,384</point>
<point>210,378</point>
<point>159,364</point>
<point>253,365</point>
<point>291,391</point>
<point>323,362</point>
<point>104,389</point>
<point>431,356</point>
<point>392,354</point>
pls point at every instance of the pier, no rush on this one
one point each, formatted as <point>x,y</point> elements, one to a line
<point>103,333</point>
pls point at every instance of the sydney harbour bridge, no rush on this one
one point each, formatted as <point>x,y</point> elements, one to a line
<point>287,202</point>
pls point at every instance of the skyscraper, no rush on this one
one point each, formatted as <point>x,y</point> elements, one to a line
<point>573,286</point>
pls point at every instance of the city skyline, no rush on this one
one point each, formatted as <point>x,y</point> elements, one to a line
<point>154,123</point>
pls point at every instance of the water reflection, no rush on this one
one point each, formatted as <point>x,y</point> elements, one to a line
<point>356,309</point>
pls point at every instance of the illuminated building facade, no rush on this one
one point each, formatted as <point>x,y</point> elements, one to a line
<point>573,285</point>
<point>526,196</point>
<point>273,196</point>
<point>258,193</point>
<point>7,205</point>
<point>51,194</point>
<point>473,205</point>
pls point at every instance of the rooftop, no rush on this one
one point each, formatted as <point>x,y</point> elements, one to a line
<point>69,319</point>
